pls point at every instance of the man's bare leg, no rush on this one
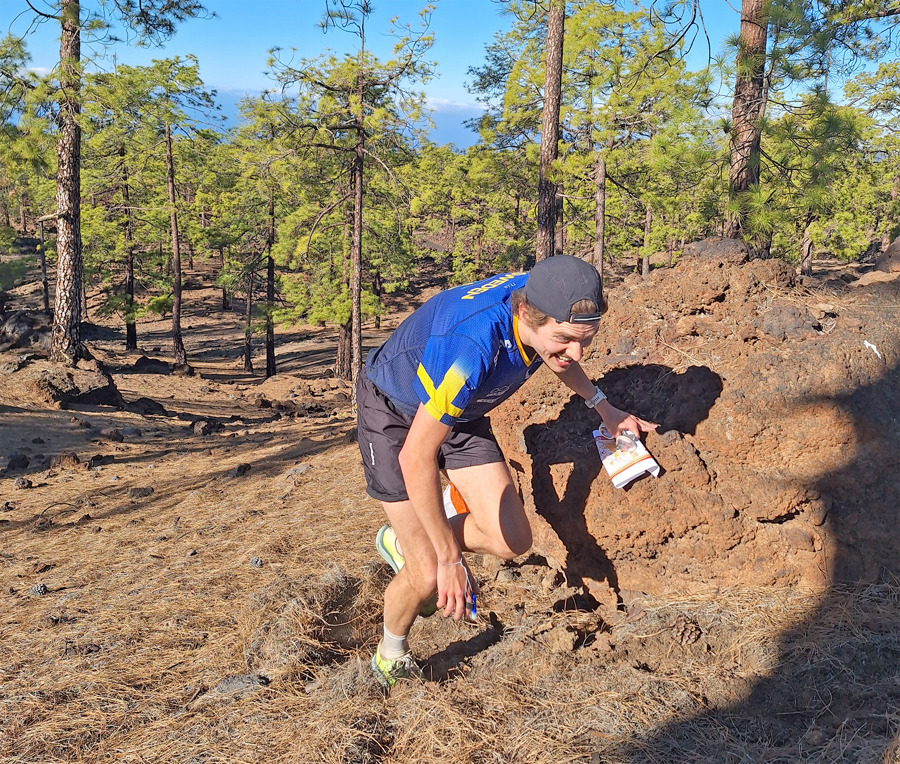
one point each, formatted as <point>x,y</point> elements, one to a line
<point>417,580</point>
<point>496,523</point>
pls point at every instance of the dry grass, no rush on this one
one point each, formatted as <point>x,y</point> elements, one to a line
<point>123,658</point>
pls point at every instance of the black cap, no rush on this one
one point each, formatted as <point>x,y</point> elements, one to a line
<point>554,285</point>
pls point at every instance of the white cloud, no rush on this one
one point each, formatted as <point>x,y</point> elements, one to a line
<point>40,71</point>
<point>445,105</point>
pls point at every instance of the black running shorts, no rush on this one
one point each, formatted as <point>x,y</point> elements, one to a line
<point>382,430</point>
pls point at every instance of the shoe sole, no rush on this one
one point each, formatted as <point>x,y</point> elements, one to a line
<point>383,550</point>
<point>379,674</point>
<point>429,608</point>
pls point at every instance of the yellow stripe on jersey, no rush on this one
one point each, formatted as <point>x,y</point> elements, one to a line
<point>519,344</point>
<point>440,398</point>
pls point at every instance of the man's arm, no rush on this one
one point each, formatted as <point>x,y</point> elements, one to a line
<point>615,419</point>
<point>419,465</point>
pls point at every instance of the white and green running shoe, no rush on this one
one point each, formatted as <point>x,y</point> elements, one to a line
<point>387,671</point>
<point>386,544</point>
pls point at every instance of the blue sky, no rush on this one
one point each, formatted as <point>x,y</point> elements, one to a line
<point>233,48</point>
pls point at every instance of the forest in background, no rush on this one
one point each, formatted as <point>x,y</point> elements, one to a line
<point>327,194</point>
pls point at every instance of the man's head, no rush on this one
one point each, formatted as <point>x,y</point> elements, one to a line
<point>565,288</point>
<point>559,309</point>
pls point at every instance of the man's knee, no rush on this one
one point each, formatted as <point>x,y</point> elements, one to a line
<point>422,578</point>
<point>515,542</point>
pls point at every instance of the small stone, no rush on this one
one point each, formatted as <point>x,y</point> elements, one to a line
<point>192,553</point>
<point>240,470</point>
<point>113,434</point>
<point>39,590</point>
<point>64,461</point>
<point>22,483</point>
<point>204,427</point>
<point>140,493</point>
<point>241,684</point>
<point>17,462</point>
<point>256,562</point>
<point>37,440</point>
<point>7,506</point>
<point>132,432</point>
<point>296,471</point>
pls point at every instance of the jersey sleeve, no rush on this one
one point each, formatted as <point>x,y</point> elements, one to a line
<point>448,376</point>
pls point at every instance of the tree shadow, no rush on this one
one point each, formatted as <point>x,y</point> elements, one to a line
<point>654,392</point>
<point>835,691</point>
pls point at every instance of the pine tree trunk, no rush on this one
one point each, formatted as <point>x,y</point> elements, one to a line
<point>748,106</point>
<point>342,366</point>
<point>600,213</point>
<point>270,286</point>
<point>45,287</point>
<point>886,236</point>
<point>645,260</point>
<point>130,322</point>
<point>356,266</point>
<point>177,341</point>
<point>546,215</point>
<point>65,338</point>
<point>248,326</point>
<point>806,249</point>
<point>559,245</point>
<point>377,290</point>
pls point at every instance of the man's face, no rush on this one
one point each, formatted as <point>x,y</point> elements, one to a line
<point>561,344</point>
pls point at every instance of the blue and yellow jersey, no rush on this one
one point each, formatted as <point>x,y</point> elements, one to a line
<point>459,354</point>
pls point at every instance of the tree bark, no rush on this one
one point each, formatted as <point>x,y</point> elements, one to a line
<point>130,323</point>
<point>270,289</point>
<point>343,364</point>
<point>645,260</point>
<point>65,337</point>
<point>177,341</point>
<point>806,250</point>
<point>747,107</point>
<point>356,264</point>
<point>248,325</point>
<point>600,213</point>
<point>546,215</point>
<point>377,290</point>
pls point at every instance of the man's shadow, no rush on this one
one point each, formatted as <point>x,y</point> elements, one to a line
<point>833,693</point>
<point>675,401</point>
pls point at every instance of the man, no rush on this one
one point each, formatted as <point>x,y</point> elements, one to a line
<point>422,401</point>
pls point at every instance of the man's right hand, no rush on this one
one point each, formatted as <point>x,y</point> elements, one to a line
<point>454,589</point>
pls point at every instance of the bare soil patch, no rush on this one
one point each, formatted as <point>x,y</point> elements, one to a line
<point>190,575</point>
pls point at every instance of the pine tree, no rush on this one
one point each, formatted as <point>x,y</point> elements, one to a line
<point>361,109</point>
<point>152,20</point>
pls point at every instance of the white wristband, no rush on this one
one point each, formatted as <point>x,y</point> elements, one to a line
<point>598,396</point>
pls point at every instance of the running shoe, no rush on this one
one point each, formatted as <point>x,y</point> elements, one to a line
<point>387,671</point>
<point>386,544</point>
